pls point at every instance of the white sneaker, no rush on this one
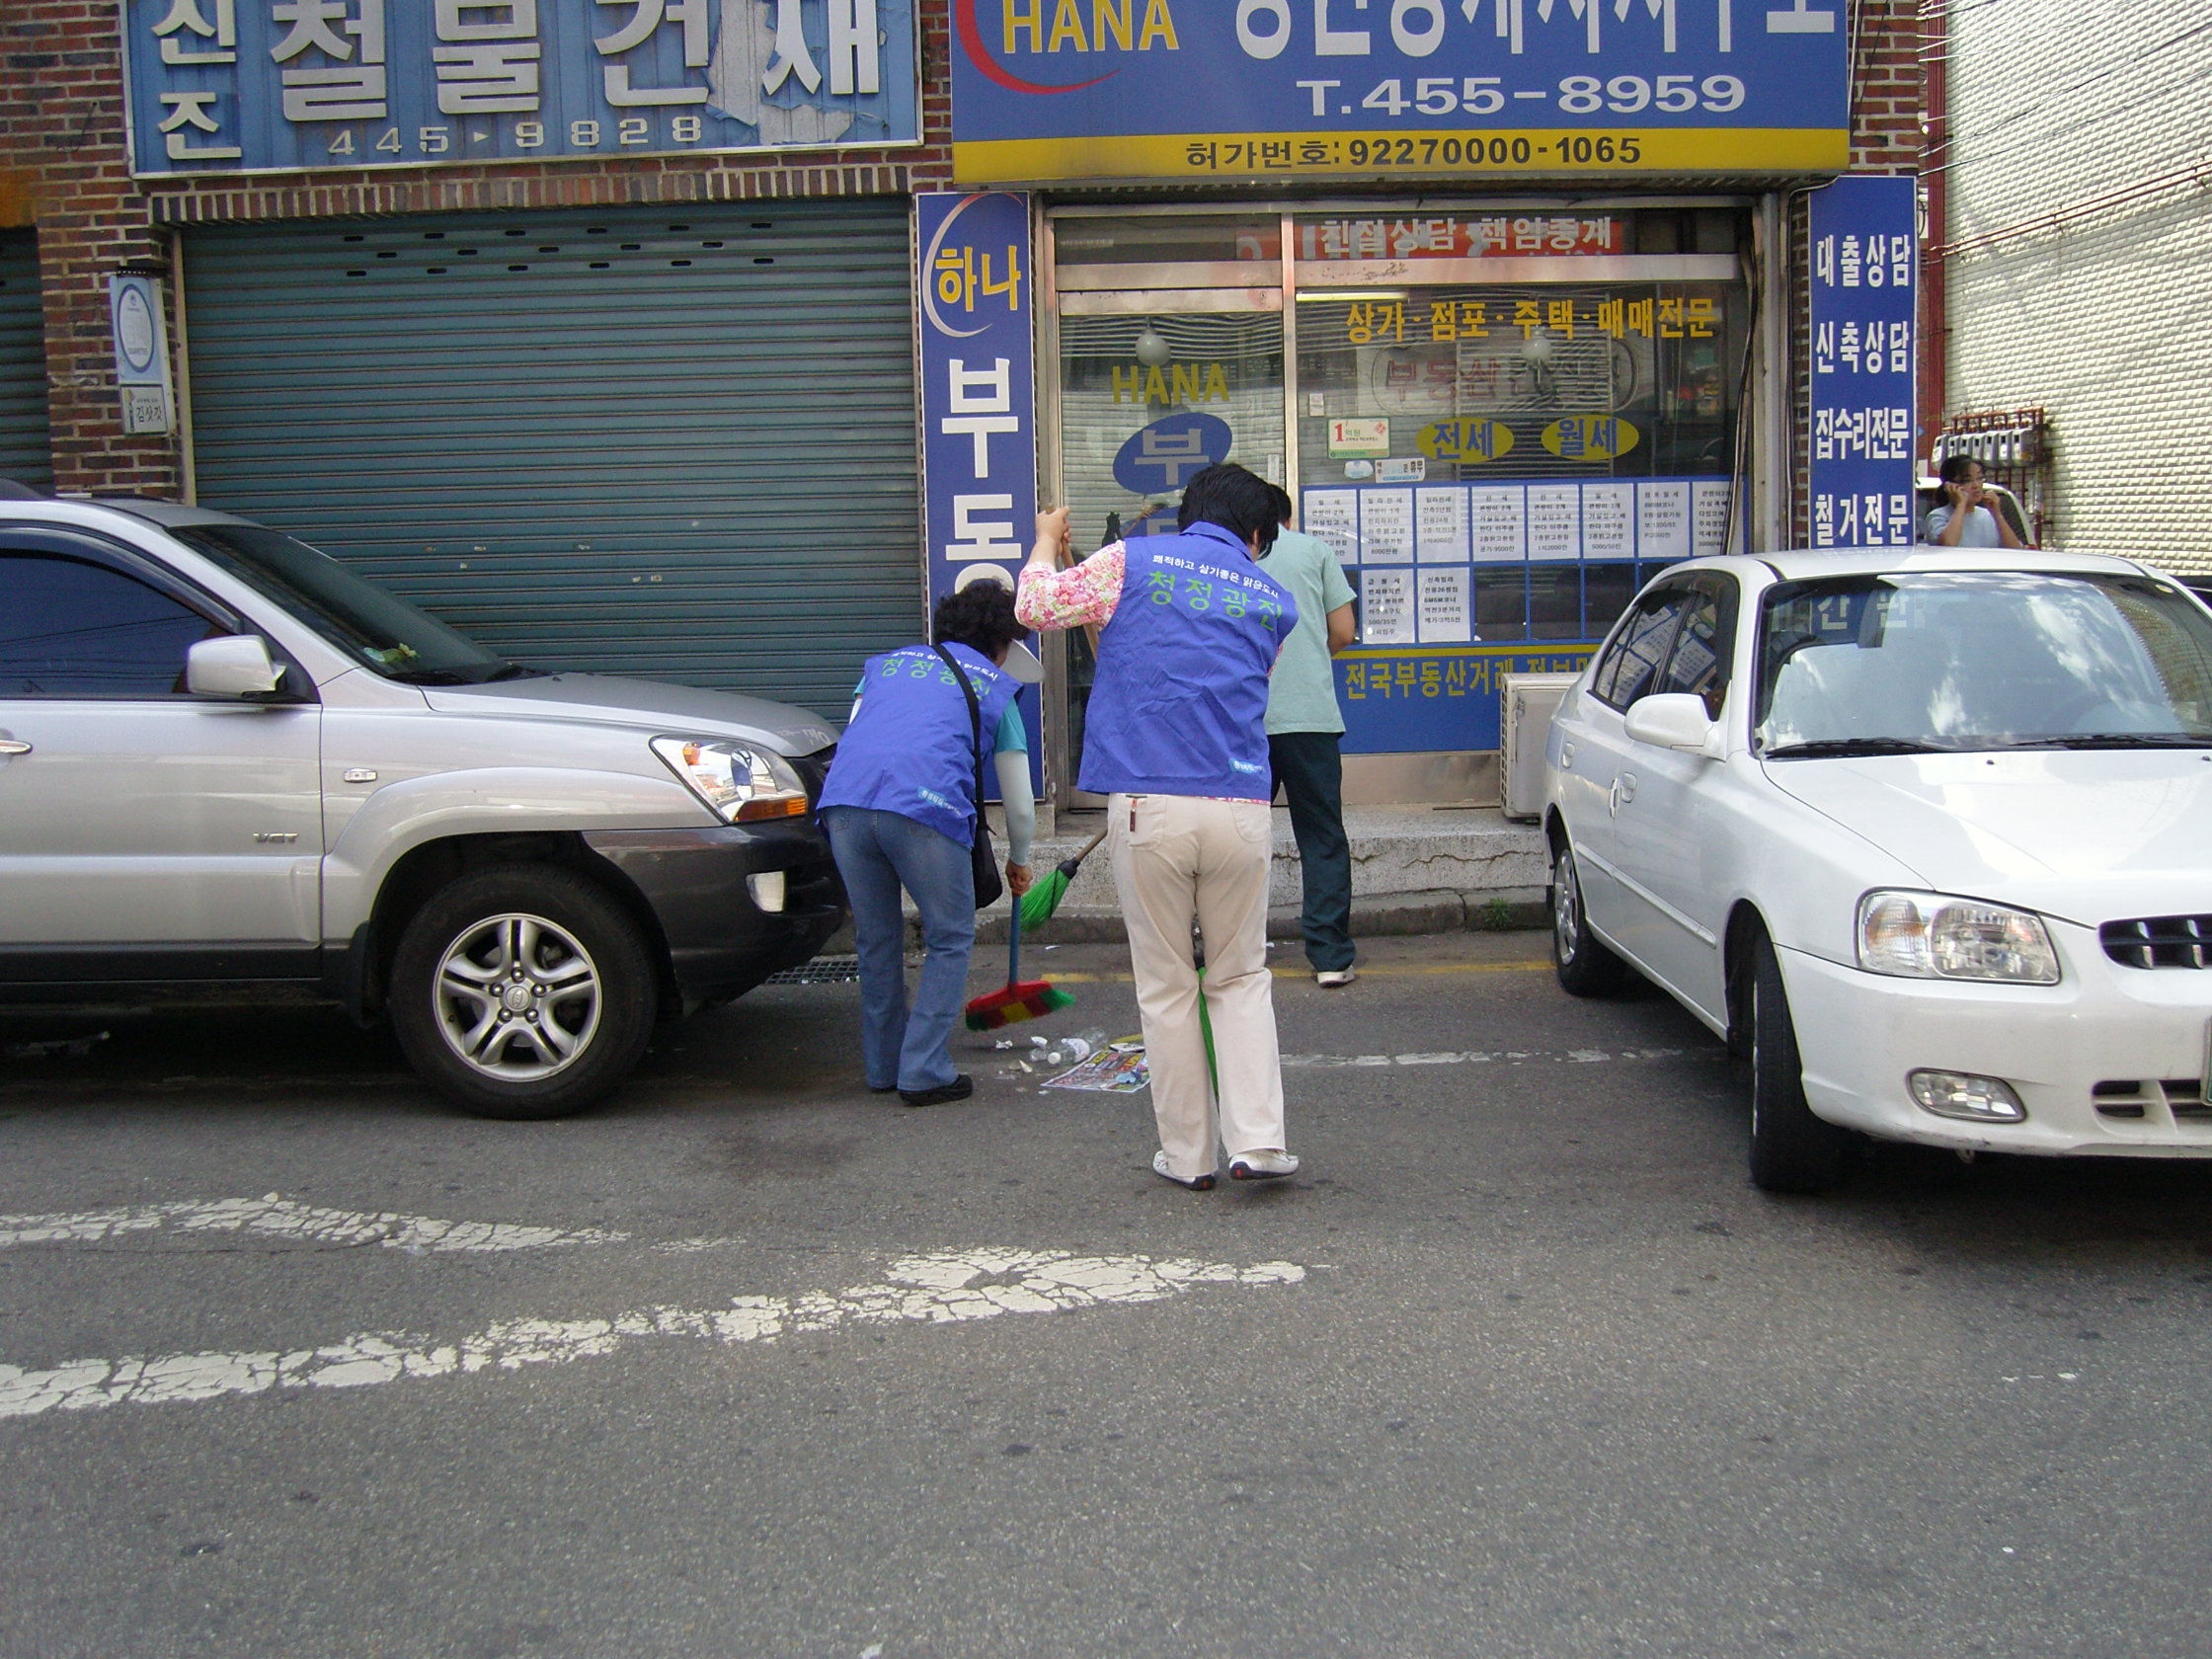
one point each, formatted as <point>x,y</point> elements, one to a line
<point>1335,979</point>
<point>1196,1183</point>
<point>1268,1164</point>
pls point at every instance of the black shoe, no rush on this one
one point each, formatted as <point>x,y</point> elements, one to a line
<point>960,1088</point>
<point>881,1088</point>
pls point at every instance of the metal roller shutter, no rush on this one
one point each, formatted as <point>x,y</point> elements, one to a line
<point>26,448</point>
<point>676,443</point>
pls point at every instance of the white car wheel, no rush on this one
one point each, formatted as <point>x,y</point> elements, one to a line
<point>1791,1150</point>
<point>1586,968</point>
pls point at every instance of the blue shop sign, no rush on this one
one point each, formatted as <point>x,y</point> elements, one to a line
<point>1865,255</point>
<point>1285,89</point>
<point>246,86</point>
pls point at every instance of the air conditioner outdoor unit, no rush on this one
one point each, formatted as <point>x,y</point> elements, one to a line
<point>1528,699</point>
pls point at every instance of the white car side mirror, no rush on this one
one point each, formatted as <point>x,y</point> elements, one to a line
<point>1671,720</point>
<point>233,666</point>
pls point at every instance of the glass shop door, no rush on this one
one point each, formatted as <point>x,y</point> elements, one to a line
<point>1156,381</point>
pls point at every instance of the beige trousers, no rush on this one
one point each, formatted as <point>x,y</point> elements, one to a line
<point>1175,857</point>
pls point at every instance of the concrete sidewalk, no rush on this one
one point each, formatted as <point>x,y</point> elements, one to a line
<point>1415,869</point>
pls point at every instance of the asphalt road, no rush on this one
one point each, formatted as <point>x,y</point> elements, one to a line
<point>752,1363</point>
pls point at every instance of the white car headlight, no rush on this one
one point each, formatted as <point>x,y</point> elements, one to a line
<point>739,783</point>
<point>1932,936</point>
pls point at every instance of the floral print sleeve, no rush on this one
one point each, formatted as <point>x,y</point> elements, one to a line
<point>1068,598</point>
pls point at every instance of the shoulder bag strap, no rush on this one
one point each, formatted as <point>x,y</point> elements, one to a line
<point>975,720</point>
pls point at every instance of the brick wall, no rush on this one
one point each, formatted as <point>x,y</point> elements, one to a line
<point>64,167</point>
<point>2090,317</point>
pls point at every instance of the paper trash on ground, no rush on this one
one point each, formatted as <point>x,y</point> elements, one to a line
<point>1117,1068</point>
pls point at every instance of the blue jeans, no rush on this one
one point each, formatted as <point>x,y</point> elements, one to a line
<point>878,853</point>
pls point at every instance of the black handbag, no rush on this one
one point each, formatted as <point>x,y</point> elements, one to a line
<point>988,884</point>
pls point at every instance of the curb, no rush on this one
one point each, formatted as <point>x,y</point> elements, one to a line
<point>1380,915</point>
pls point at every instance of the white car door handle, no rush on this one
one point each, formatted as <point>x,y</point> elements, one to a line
<point>10,745</point>
<point>1624,787</point>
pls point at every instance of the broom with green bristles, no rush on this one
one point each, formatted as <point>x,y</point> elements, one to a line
<point>1015,1000</point>
<point>1038,902</point>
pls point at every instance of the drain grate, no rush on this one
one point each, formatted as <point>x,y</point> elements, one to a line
<point>823,970</point>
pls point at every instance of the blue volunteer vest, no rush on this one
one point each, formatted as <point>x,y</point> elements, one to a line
<point>912,749</point>
<point>1179,706</point>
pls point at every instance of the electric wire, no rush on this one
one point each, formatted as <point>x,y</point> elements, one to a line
<point>2044,134</point>
<point>2025,111</point>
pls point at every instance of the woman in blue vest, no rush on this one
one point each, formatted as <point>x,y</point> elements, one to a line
<point>1175,738</point>
<point>900,807</point>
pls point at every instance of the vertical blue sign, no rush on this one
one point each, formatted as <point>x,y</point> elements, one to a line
<point>973,299</point>
<point>1865,254</point>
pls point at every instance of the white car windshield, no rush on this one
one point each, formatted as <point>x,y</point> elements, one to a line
<point>1922,663</point>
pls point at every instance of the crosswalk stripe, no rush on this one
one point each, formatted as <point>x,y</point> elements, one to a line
<point>941,1288</point>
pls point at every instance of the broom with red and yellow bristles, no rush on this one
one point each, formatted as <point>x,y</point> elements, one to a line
<point>1018,999</point>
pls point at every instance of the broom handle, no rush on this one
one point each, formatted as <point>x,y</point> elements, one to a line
<point>1013,946</point>
<point>1090,846</point>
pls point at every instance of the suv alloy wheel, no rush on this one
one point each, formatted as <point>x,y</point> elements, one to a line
<point>521,991</point>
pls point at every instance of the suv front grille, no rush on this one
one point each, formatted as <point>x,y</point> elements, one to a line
<point>2159,941</point>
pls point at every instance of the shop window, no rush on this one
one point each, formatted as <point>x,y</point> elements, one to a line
<point>1501,603</point>
<point>1605,593</point>
<point>1560,437</point>
<point>1713,230</point>
<point>1555,601</point>
<point>1166,239</point>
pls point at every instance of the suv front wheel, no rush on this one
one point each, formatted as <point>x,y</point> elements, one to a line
<point>521,991</point>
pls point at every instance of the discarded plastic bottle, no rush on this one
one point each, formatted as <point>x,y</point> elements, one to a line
<point>1072,1050</point>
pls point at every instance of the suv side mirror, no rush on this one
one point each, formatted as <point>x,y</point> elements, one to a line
<point>233,666</point>
<point>1671,720</point>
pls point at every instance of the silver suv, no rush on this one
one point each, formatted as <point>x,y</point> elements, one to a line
<point>230,768</point>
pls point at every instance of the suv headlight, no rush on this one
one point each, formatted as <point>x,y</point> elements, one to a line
<point>741,784</point>
<point>1932,936</point>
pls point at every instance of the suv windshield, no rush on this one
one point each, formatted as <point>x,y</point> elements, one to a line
<point>1918,663</point>
<point>379,630</point>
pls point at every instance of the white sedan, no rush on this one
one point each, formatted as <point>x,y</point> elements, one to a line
<point>1925,836</point>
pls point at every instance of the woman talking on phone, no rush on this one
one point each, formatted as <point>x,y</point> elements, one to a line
<point>1969,516</point>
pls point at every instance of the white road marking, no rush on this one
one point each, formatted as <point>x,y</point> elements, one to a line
<point>939,1288</point>
<point>1481,1056</point>
<point>275,1217</point>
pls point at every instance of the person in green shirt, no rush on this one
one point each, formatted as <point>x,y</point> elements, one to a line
<point>1303,726</point>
